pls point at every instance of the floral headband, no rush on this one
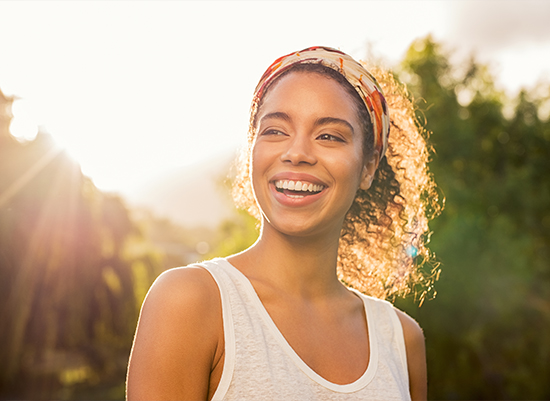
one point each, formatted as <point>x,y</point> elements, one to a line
<point>363,82</point>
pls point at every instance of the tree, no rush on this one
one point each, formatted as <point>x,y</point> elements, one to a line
<point>69,288</point>
<point>488,329</point>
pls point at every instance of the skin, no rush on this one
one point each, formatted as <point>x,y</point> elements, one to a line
<point>307,128</point>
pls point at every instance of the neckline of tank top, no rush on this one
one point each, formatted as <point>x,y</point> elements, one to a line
<point>357,385</point>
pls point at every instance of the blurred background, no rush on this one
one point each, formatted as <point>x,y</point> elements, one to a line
<point>118,125</point>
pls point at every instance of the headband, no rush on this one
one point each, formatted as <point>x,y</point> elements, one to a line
<point>363,82</point>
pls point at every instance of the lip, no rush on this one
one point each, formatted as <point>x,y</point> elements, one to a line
<point>297,177</point>
<point>296,202</point>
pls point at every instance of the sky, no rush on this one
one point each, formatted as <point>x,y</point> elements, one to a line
<point>135,89</point>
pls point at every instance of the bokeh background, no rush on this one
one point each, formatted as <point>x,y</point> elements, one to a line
<point>118,124</point>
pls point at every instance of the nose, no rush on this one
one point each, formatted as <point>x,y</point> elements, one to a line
<point>298,151</point>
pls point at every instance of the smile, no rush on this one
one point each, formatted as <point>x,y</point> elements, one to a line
<point>297,189</point>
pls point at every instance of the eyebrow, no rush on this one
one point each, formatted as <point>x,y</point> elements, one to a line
<point>319,122</point>
<point>276,115</point>
<point>333,120</point>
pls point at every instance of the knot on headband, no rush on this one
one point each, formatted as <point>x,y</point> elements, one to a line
<point>363,82</point>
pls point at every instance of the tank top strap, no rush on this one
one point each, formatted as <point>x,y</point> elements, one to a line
<point>388,329</point>
<point>227,291</point>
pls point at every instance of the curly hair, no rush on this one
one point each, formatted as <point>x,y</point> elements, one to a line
<point>383,243</point>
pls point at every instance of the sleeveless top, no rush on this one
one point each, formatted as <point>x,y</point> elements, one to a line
<point>260,364</point>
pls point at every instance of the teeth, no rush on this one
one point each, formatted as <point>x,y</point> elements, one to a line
<point>299,186</point>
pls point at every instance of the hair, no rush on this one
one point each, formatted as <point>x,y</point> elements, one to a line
<point>383,243</point>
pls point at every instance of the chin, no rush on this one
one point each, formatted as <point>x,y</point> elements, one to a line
<point>298,230</point>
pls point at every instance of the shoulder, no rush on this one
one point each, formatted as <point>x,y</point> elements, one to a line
<point>179,338</point>
<point>411,329</point>
<point>184,299</point>
<point>416,355</point>
<point>190,286</point>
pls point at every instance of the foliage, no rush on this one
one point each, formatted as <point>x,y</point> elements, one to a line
<point>235,235</point>
<point>75,264</point>
<point>488,329</point>
<point>70,291</point>
<point>177,245</point>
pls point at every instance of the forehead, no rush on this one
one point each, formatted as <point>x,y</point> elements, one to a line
<point>303,92</point>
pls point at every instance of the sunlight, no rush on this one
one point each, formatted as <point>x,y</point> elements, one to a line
<point>33,170</point>
<point>39,252</point>
<point>131,103</point>
<point>23,126</point>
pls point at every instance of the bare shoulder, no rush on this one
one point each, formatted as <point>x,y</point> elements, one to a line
<point>178,339</point>
<point>411,329</point>
<point>416,356</point>
<point>183,296</point>
<point>190,287</point>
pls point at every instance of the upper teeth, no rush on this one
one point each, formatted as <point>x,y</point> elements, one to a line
<point>298,186</point>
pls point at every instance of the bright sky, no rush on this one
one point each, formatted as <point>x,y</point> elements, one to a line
<point>132,89</point>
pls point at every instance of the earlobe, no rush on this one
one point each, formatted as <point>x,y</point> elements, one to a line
<point>366,180</point>
<point>367,174</point>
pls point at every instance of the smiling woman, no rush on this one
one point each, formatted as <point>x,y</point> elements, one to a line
<point>342,210</point>
<point>307,133</point>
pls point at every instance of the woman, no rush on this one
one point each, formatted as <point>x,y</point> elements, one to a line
<point>341,204</point>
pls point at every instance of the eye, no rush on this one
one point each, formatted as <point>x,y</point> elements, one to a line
<point>273,132</point>
<point>330,138</point>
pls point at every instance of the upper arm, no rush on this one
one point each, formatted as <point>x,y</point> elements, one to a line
<point>416,356</point>
<point>177,339</point>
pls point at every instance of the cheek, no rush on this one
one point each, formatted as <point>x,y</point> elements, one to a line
<point>258,163</point>
<point>262,155</point>
<point>255,161</point>
<point>349,166</point>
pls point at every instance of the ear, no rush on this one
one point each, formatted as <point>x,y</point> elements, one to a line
<point>367,175</point>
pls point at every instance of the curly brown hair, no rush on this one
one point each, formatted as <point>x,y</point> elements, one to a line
<point>383,244</point>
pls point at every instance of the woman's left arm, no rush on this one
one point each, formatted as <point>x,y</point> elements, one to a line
<point>416,357</point>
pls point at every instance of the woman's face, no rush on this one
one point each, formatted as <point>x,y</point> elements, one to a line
<point>307,156</point>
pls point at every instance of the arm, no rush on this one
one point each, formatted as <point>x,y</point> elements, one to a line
<point>179,338</point>
<point>416,357</point>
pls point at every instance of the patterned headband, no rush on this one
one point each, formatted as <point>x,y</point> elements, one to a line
<point>363,82</point>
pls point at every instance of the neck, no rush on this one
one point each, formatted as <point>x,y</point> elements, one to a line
<point>304,266</point>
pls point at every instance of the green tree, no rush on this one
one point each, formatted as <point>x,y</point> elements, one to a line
<point>69,290</point>
<point>488,329</point>
<point>236,234</point>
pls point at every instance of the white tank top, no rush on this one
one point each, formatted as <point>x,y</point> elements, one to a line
<point>260,364</point>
